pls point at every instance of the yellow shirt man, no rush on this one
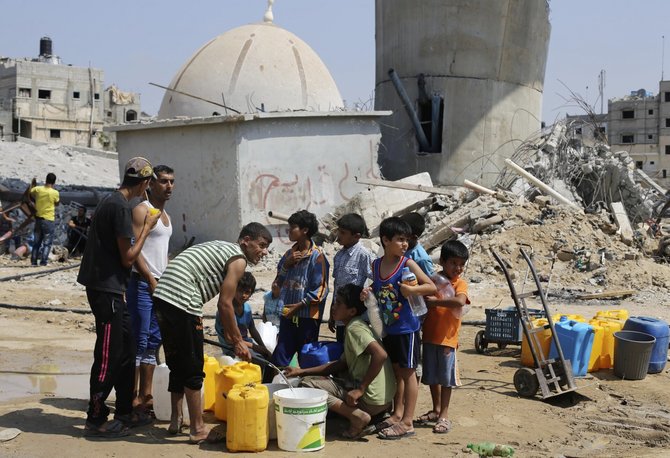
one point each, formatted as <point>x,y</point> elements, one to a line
<point>46,199</point>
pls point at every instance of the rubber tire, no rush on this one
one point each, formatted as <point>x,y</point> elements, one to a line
<point>480,342</point>
<point>525,382</point>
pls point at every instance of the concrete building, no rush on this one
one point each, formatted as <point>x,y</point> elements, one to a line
<point>587,129</point>
<point>639,123</point>
<point>278,140</point>
<point>46,100</point>
<point>473,72</point>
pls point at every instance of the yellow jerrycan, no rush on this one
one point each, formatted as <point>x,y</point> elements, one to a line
<point>239,373</point>
<point>247,425</point>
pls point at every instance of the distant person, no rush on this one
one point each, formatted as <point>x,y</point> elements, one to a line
<point>415,251</point>
<point>146,271</point>
<point>440,336</point>
<point>352,263</point>
<point>302,278</point>
<point>360,385</point>
<point>273,306</point>
<point>77,232</point>
<point>105,270</point>
<point>402,341</point>
<point>191,279</point>
<point>7,222</point>
<point>46,198</point>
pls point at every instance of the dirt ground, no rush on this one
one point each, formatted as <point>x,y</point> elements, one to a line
<point>45,357</point>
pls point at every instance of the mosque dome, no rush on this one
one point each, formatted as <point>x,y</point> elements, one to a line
<point>256,67</point>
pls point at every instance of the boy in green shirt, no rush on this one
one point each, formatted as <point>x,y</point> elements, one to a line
<point>368,386</point>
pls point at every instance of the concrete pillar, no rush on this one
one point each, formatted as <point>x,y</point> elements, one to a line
<point>485,58</point>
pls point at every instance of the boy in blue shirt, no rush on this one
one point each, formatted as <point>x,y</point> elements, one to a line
<point>352,264</point>
<point>415,250</point>
<point>402,341</point>
<point>302,278</point>
<point>245,321</point>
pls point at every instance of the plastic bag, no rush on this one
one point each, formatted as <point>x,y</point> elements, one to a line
<point>268,333</point>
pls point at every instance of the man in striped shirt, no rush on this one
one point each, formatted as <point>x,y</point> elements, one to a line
<point>193,278</point>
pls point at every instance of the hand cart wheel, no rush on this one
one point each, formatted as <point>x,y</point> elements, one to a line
<point>480,342</point>
<point>525,382</point>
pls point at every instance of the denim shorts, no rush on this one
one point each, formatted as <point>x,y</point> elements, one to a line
<point>440,366</point>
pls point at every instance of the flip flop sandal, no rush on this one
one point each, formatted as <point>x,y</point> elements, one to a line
<point>395,432</point>
<point>369,429</point>
<point>175,431</point>
<point>135,419</point>
<point>383,425</point>
<point>443,426</point>
<point>112,430</point>
<point>428,417</point>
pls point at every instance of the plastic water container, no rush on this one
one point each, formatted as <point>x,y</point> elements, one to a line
<point>556,318</point>
<point>621,314</point>
<point>576,341</point>
<point>317,353</point>
<point>226,377</point>
<point>162,397</point>
<point>272,417</point>
<point>610,326</point>
<point>417,303</point>
<point>658,329</point>
<point>209,386</point>
<point>301,419</point>
<point>544,338</point>
<point>268,333</point>
<point>247,425</point>
<point>596,349</point>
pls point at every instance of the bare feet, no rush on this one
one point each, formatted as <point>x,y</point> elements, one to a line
<point>357,423</point>
<point>176,425</point>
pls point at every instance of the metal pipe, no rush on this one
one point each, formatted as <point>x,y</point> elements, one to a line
<point>277,215</point>
<point>195,97</point>
<point>420,134</point>
<point>435,134</point>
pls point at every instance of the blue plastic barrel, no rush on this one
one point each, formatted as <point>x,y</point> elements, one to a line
<point>318,353</point>
<point>658,329</point>
<point>576,342</point>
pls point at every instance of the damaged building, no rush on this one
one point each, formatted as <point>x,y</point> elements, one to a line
<point>45,100</point>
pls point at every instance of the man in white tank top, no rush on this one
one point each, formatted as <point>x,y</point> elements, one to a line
<point>143,280</point>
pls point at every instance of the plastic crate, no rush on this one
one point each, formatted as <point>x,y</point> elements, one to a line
<point>504,325</point>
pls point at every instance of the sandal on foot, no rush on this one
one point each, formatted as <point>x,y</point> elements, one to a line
<point>135,419</point>
<point>395,432</point>
<point>174,431</point>
<point>428,417</point>
<point>369,429</point>
<point>383,425</point>
<point>443,426</point>
<point>109,430</point>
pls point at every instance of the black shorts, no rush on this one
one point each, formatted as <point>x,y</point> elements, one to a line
<point>404,349</point>
<point>183,346</point>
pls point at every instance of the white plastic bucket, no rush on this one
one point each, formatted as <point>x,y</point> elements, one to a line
<point>301,419</point>
<point>272,417</point>
<point>162,397</point>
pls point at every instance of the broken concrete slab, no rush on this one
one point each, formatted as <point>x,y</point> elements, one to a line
<point>621,218</point>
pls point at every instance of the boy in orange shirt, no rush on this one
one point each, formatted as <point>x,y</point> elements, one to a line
<point>440,335</point>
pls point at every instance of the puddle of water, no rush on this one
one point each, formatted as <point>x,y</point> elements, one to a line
<point>46,380</point>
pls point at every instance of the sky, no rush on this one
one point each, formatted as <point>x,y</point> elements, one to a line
<point>146,41</point>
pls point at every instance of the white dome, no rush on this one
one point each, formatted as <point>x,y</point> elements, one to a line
<point>249,67</point>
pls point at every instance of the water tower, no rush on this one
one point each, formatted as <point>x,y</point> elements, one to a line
<point>464,79</point>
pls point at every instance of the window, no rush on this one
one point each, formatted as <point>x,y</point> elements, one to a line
<point>628,114</point>
<point>638,164</point>
<point>96,96</point>
<point>667,96</point>
<point>578,131</point>
<point>109,113</point>
<point>54,133</point>
<point>667,122</point>
<point>665,174</point>
<point>25,92</point>
<point>651,112</point>
<point>44,94</point>
<point>628,138</point>
<point>75,95</point>
<point>651,162</point>
<point>650,137</point>
<point>131,115</point>
<point>667,149</point>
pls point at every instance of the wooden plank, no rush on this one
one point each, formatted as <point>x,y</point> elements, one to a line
<point>607,294</point>
<point>406,186</point>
